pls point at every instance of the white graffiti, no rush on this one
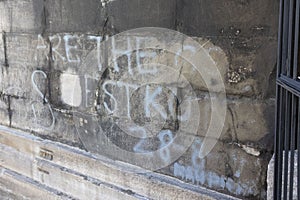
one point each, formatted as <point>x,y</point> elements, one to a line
<point>55,48</point>
<point>36,88</point>
<point>118,52</point>
<point>138,148</point>
<point>98,39</point>
<point>150,100</point>
<point>198,173</point>
<point>142,54</point>
<point>69,48</point>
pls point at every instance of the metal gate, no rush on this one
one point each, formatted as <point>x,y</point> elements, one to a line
<point>287,139</point>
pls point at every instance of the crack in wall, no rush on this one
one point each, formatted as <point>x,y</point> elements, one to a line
<point>4,95</point>
<point>44,19</point>
<point>7,98</point>
<point>5,49</point>
<point>9,110</point>
<point>49,75</point>
<point>178,23</point>
<point>233,123</point>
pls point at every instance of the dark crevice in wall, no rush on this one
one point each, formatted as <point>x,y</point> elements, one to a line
<point>233,123</point>
<point>45,91</point>
<point>9,110</point>
<point>3,96</point>
<point>178,7</point>
<point>104,27</point>
<point>7,99</point>
<point>228,168</point>
<point>5,49</point>
<point>44,19</point>
<point>49,75</point>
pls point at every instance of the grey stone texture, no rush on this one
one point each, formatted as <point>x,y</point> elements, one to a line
<point>2,56</point>
<point>74,16</point>
<point>22,16</point>
<point>45,75</point>
<point>230,19</point>
<point>130,14</point>
<point>227,168</point>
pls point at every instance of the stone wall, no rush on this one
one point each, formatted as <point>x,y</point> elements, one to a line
<point>45,50</point>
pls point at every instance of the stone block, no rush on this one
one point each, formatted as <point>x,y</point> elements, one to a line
<point>245,70</point>
<point>247,122</point>
<point>30,93</point>
<point>228,18</point>
<point>130,14</point>
<point>43,119</point>
<point>27,48</point>
<point>26,57</point>
<point>252,63</point>
<point>227,168</point>
<point>70,50</point>
<point>74,16</point>
<point>24,16</point>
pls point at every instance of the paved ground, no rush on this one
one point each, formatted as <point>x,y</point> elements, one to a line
<point>271,174</point>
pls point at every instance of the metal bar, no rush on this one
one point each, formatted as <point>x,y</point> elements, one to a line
<point>290,39</point>
<point>286,143</point>
<point>279,58</point>
<point>277,140</point>
<point>279,110</point>
<point>289,84</point>
<point>296,41</point>
<point>279,149</point>
<point>284,61</point>
<point>287,137</point>
<point>292,150</point>
<point>298,147</point>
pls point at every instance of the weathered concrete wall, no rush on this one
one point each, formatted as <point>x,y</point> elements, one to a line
<point>44,45</point>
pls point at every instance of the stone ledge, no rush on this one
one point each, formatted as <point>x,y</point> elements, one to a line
<point>26,188</point>
<point>61,166</point>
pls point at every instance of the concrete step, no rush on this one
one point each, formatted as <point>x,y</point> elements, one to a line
<point>59,170</point>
